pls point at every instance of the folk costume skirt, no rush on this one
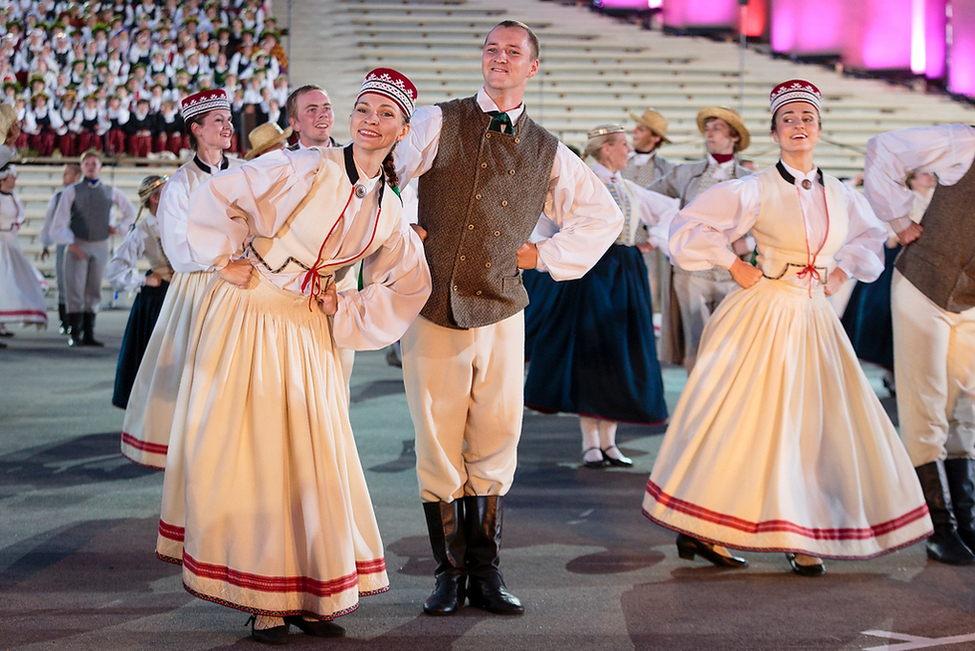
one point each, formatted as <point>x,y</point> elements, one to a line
<point>778,442</point>
<point>21,296</point>
<point>278,515</point>
<point>138,331</point>
<point>148,419</point>
<point>595,353</point>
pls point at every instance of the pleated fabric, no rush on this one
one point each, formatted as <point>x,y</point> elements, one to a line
<point>138,331</point>
<point>21,296</point>
<point>541,295</point>
<point>779,443</point>
<point>149,414</point>
<point>595,353</point>
<point>278,517</point>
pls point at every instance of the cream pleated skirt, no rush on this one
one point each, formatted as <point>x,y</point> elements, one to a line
<point>278,518</point>
<point>778,442</point>
<point>21,296</point>
<point>149,415</point>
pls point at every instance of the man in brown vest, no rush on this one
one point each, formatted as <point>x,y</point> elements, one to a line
<point>933,311</point>
<point>486,172</point>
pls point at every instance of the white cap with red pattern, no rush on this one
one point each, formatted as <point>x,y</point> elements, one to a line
<point>796,90</point>
<point>394,85</point>
<point>203,102</point>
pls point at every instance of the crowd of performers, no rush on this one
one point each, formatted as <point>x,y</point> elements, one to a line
<point>266,274</point>
<point>110,76</point>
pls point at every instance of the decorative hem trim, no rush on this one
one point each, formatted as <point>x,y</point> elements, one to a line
<point>145,446</point>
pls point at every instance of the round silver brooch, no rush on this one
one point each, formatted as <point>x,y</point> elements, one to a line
<point>806,183</point>
<point>360,191</point>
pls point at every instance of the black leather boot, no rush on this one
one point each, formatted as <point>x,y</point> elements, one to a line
<point>63,327</point>
<point>485,586</point>
<point>944,546</point>
<point>445,524</point>
<point>961,484</point>
<point>74,329</point>
<point>88,328</point>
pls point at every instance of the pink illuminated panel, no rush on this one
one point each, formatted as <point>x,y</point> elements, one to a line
<point>700,13</point>
<point>878,34</point>
<point>808,28</point>
<point>934,47</point>
<point>961,56</point>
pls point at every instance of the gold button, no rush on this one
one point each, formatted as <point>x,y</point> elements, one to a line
<point>470,227</point>
<point>477,196</point>
<point>517,140</point>
<point>511,172</point>
<point>483,165</point>
<point>487,135</point>
<point>478,292</point>
<point>487,265</point>
<point>504,203</point>
<point>497,233</point>
<point>455,288</point>
<point>463,257</point>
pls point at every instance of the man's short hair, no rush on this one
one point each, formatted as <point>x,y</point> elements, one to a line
<point>532,38</point>
<point>88,154</point>
<point>291,106</point>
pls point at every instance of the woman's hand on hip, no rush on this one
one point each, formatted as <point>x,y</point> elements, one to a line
<point>835,281</point>
<point>328,301</point>
<point>744,274</point>
<point>237,272</point>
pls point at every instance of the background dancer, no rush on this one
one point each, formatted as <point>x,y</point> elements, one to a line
<point>779,443</point>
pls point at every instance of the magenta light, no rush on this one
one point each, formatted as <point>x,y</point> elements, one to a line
<point>961,56</point>
<point>636,5</point>
<point>700,13</point>
<point>878,34</point>
<point>935,22</point>
<point>808,28</point>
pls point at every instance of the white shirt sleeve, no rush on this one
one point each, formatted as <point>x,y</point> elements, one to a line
<point>61,228</point>
<point>173,211</point>
<point>946,151</point>
<point>862,256</point>
<point>121,271</point>
<point>48,222</point>
<point>701,232</point>
<point>396,286</point>
<point>415,154</point>
<point>589,220</point>
<point>255,198</point>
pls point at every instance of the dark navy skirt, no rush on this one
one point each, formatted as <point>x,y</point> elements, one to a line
<point>594,351</point>
<point>142,319</point>
<point>541,295</point>
<point>867,318</point>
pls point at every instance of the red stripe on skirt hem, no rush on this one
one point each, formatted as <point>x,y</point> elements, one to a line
<point>782,526</point>
<point>156,448</point>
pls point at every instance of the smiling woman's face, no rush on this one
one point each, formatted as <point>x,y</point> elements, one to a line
<point>796,127</point>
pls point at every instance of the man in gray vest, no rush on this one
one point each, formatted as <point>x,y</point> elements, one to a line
<point>82,223</point>
<point>698,293</point>
<point>486,172</point>
<point>70,175</point>
<point>933,311</point>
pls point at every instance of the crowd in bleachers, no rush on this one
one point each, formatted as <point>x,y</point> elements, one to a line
<point>110,75</point>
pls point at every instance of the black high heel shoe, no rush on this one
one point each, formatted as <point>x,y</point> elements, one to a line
<point>273,635</point>
<point>818,569</point>
<point>318,628</point>
<point>688,547</point>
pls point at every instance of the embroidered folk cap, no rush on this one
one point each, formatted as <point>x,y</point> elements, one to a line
<point>203,102</point>
<point>653,121</point>
<point>795,90</point>
<point>394,85</point>
<point>264,136</point>
<point>731,117</point>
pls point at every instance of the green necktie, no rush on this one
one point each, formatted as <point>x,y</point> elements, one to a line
<point>498,120</point>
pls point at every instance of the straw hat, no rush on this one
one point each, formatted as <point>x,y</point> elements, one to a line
<point>8,115</point>
<point>265,136</point>
<point>731,117</point>
<point>653,121</point>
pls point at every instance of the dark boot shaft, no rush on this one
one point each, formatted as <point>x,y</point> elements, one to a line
<point>945,545</point>
<point>961,484</point>
<point>88,329</point>
<point>483,522</point>
<point>445,526</point>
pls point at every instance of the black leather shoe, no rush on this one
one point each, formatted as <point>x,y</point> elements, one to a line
<point>622,462</point>
<point>317,628</point>
<point>445,525</point>
<point>489,593</point>
<point>688,547</point>
<point>274,635</point>
<point>819,569</point>
<point>599,463</point>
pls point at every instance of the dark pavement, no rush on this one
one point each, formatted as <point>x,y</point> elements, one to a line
<point>77,568</point>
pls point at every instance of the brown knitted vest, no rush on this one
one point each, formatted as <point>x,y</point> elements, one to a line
<point>941,263</point>
<point>479,203</point>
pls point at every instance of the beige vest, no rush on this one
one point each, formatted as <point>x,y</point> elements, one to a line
<point>941,263</point>
<point>479,202</point>
<point>780,234</point>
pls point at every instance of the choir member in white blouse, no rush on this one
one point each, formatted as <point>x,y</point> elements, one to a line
<point>278,517</point>
<point>778,442</point>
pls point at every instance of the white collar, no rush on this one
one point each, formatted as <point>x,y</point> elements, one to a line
<point>812,175</point>
<point>487,104</point>
<point>605,175</point>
